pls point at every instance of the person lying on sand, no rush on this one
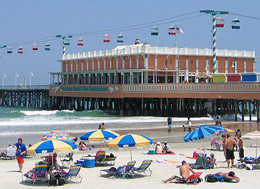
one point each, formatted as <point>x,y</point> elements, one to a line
<point>185,170</point>
<point>224,177</point>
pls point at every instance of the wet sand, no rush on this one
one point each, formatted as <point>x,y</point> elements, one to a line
<point>157,132</point>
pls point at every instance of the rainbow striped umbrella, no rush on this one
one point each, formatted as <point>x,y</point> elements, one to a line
<point>99,135</point>
<point>130,140</point>
<point>51,145</point>
<point>57,135</point>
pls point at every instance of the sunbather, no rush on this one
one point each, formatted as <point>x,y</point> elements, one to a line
<point>225,177</point>
<point>158,148</point>
<point>185,170</point>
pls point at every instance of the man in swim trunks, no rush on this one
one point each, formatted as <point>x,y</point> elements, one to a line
<point>185,170</point>
<point>227,177</point>
<point>20,152</point>
<point>229,146</point>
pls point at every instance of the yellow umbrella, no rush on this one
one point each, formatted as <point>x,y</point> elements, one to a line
<point>130,140</point>
<point>51,145</point>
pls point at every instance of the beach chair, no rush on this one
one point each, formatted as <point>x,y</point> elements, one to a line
<point>10,153</point>
<point>100,157</point>
<point>73,173</point>
<point>123,171</point>
<point>67,160</point>
<point>215,145</point>
<point>38,174</point>
<point>193,179</point>
<point>144,167</point>
<point>110,159</point>
<point>200,162</point>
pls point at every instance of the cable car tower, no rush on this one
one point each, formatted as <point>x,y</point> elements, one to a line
<point>214,32</point>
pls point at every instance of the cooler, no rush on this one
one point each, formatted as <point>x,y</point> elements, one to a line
<point>89,162</point>
<point>81,162</point>
<point>151,152</point>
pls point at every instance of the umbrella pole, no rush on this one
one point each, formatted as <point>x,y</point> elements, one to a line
<point>256,149</point>
<point>131,154</point>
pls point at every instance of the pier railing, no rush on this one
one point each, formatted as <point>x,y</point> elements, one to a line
<point>25,87</point>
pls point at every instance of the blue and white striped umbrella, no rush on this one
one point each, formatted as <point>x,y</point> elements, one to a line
<point>201,132</point>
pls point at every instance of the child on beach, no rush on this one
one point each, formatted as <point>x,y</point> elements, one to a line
<point>20,152</point>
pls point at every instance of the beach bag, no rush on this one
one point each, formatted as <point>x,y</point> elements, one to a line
<point>53,181</point>
<point>211,178</point>
<point>61,181</point>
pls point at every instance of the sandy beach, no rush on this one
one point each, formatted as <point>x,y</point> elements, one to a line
<point>10,178</point>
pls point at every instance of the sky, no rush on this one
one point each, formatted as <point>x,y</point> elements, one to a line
<point>24,22</point>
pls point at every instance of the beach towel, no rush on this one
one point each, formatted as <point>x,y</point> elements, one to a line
<point>172,153</point>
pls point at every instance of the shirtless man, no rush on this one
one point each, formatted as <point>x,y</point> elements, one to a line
<point>218,121</point>
<point>229,146</point>
<point>185,170</point>
<point>228,176</point>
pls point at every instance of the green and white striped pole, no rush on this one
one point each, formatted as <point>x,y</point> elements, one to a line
<point>214,32</point>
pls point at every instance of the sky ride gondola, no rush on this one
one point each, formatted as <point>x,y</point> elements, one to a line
<point>172,30</point>
<point>120,38</point>
<point>220,22</point>
<point>9,50</point>
<point>35,47</point>
<point>80,42</point>
<point>154,31</point>
<point>235,24</point>
<point>106,38</point>
<point>47,47</point>
<point>20,50</point>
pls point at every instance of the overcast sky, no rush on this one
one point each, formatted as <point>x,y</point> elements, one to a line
<point>23,22</point>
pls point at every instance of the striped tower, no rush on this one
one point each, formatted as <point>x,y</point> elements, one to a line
<point>63,46</point>
<point>214,32</point>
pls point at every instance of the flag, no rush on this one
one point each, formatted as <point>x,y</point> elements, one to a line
<point>179,30</point>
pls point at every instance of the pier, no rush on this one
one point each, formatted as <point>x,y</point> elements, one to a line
<point>36,96</point>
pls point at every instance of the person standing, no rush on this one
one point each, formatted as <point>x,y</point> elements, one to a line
<point>240,147</point>
<point>169,120</point>
<point>103,127</point>
<point>190,124</point>
<point>229,145</point>
<point>218,122</point>
<point>20,152</point>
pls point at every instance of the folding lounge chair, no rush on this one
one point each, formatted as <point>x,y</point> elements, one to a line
<point>144,167</point>
<point>214,144</point>
<point>73,173</point>
<point>100,158</point>
<point>110,159</point>
<point>121,170</point>
<point>66,162</point>
<point>39,173</point>
<point>200,162</point>
<point>190,180</point>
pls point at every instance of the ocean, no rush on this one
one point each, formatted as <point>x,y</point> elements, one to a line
<point>31,124</point>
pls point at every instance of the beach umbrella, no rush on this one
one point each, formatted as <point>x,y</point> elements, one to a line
<point>255,135</point>
<point>226,130</point>
<point>201,132</point>
<point>99,135</point>
<point>51,146</point>
<point>130,140</point>
<point>57,135</point>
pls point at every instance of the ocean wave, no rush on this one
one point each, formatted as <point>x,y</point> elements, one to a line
<point>41,112</point>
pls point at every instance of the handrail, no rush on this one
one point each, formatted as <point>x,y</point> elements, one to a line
<point>26,87</point>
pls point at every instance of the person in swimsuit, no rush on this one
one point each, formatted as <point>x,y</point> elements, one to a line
<point>229,145</point>
<point>20,152</point>
<point>227,177</point>
<point>185,170</point>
